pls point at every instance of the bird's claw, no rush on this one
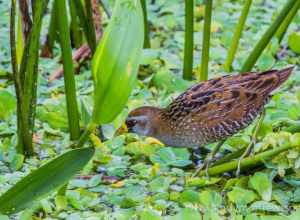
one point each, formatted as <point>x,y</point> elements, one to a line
<point>205,164</point>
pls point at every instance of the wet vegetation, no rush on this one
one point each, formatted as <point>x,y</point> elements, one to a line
<point>70,71</point>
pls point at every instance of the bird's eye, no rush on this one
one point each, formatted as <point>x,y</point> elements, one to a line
<point>131,122</point>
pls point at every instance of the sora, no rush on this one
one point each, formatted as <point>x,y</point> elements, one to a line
<point>209,111</point>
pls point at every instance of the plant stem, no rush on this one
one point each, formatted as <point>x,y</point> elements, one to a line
<point>28,77</point>
<point>20,43</point>
<point>70,88</point>
<point>52,34</point>
<point>246,162</point>
<point>75,26</point>
<point>206,41</point>
<point>90,24</point>
<point>16,77</point>
<point>84,23</point>
<point>262,43</point>
<point>285,24</point>
<point>188,40</point>
<point>236,36</point>
<point>86,134</point>
<point>147,43</point>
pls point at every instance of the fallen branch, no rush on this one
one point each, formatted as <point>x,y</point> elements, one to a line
<point>84,52</point>
<point>80,55</point>
<point>246,162</point>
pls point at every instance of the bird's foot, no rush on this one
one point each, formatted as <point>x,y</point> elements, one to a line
<point>247,152</point>
<point>205,165</point>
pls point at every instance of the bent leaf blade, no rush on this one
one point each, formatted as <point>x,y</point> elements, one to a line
<point>44,180</point>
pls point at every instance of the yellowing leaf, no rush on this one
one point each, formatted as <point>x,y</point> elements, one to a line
<point>96,140</point>
<point>118,184</point>
<point>152,140</point>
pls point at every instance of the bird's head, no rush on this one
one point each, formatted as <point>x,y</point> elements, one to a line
<point>143,121</point>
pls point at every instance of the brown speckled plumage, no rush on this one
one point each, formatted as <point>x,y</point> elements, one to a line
<point>209,111</point>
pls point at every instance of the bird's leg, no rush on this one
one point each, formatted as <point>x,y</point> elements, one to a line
<point>208,159</point>
<point>249,149</point>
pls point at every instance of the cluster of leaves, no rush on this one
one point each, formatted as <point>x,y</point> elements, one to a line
<point>139,178</point>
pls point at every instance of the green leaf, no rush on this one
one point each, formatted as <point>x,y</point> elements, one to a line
<point>54,113</point>
<point>116,60</point>
<point>294,42</point>
<point>165,79</point>
<point>262,184</point>
<point>7,104</point>
<point>189,196</point>
<point>149,215</point>
<point>44,180</point>
<point>210,199</point>
<point>168,156</point>
<point>235,196</point>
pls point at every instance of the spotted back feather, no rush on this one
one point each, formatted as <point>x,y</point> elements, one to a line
<point>220,107</point>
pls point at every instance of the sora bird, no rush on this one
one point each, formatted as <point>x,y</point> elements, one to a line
<point>209,111</point>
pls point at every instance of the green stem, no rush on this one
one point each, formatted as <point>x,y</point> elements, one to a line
<point>206,41</point>
<point>263,42</point>
<point>69,79</point>
<point>51,36</point>
<point>230,156</point>
<point>86,134</point>
<point>20,45</point>
<point>75,26</point>
<point>90,26</point>
<point>85,23</point>
<point>237,35</point>
<point>147,43</point>
<point>246,162</point>
<point>285,24</point>
<point>16,77</point>
<point>188,40</point>
<point>28,77</point>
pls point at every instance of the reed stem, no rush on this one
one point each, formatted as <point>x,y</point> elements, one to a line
<point>69,79</point>
<point>246,162</point>
<point>206,41</point>
<point>188,40</point>
<point>147,43</point>
<point>285,24</point>
<point>270,32</point>
<point>237,36</point>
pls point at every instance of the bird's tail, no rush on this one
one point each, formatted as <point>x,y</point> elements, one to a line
<point>272,79</point>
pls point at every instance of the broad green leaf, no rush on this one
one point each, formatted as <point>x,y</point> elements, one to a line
<point>7,104</point>
<point>262,184</point>
<point>44,180</point>
<point>168,156</point>
<point>54,113</point>
<point>116,60</point>
<point>210,199</point>
<point>294,42</point>
<point>189,196</point>
<point>235,196</point>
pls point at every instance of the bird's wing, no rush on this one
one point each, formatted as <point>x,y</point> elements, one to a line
<point>234,100</point>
